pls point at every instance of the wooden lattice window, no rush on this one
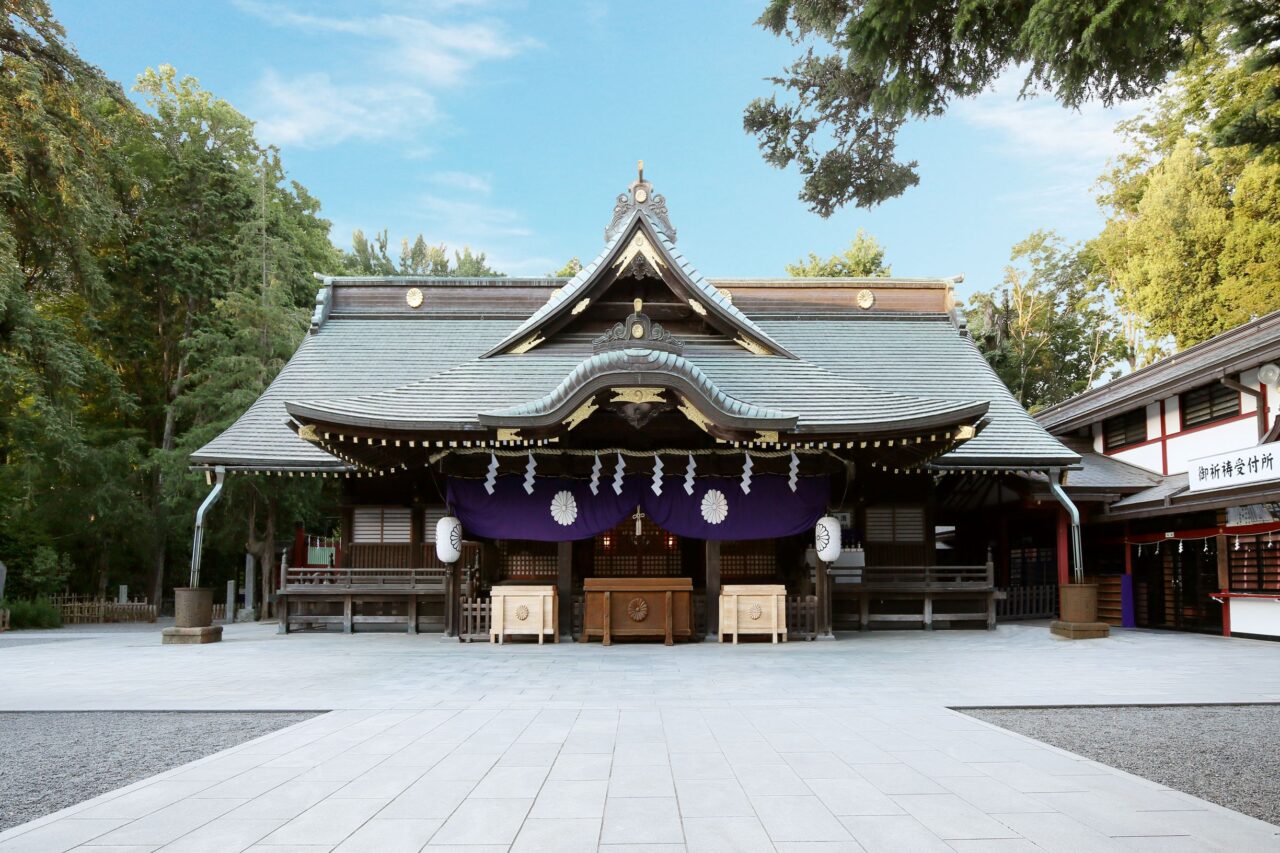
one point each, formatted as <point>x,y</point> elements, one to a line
<point>895,525</point>
<point>1205,405</point>
<point>1124,430</point>
<point>754,561</point>
<point>381,524</point>
<point>525,560</point>
<point>430,516</point>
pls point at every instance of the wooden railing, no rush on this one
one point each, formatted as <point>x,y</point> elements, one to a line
<point>378,555</point>
<point>4,620</point>
<point>910,578</point>
<point>1027,602</point>
<point>388,579</point>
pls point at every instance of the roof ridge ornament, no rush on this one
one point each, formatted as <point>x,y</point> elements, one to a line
<point>640,196</point>
<point>638,331</point>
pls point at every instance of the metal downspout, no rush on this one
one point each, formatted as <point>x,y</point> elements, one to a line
<point>197,543</point>
<point>1076,556</point>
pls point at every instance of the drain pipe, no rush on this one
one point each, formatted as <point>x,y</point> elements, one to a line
<point>1077,570</point>
<point>197,543</point>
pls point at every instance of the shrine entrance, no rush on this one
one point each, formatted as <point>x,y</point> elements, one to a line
<point>637,547</point>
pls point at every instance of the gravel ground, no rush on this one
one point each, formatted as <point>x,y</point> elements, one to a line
<point>1226,754</point>
<point>51,760</point>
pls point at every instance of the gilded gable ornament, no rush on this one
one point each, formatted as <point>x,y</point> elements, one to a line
<point>638,331</point>
<point>866,299</point>
<point>640,196</point>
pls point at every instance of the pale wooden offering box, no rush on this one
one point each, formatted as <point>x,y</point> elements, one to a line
<point>530,611</point>
<point>753,609</point>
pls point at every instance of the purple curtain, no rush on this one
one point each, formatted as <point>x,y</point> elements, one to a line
<point>563,509</point>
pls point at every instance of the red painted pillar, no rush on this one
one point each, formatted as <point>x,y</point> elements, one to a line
<point>1064,548</point>
<point>1128,551</point>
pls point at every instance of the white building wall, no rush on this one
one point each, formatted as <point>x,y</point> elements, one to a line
<point>1219,438</point>
<point>1146,456</point>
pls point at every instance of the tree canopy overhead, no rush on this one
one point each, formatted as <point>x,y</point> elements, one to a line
<point>870,65</point>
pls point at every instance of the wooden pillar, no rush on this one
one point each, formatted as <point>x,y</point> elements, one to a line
<point>713,587</point>
<point>564,587</point>
<point>1064,548</point>
<point>1128,551</point>
<point>416,520</point>
<point>823,584</point>
<point>1224,564</point>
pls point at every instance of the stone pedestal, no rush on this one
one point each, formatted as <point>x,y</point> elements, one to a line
<point>191,636</point>
<point>192,607</point>
<point>1079,612</point>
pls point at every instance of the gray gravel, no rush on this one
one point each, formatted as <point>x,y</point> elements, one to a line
<point>51,760</point>
<point>1226,754</point>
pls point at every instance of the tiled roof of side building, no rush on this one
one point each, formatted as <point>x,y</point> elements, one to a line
<point>1243,347</point>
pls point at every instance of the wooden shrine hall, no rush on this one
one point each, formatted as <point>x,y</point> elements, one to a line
<point>621,453</point>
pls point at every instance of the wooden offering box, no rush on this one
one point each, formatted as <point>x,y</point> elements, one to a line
<point>753,609</point>
<point>532,611</point>
<point>638,607</point>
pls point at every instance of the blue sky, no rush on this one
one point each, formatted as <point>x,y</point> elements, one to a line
<point>510,126</point>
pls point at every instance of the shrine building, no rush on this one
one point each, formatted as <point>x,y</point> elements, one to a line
<point>640,426</point>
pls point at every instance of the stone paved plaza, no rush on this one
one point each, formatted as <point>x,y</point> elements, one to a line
<point>832,746</point>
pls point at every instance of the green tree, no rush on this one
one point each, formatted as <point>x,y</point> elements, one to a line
<point>863,259</point>
<point>1192,229</point>
<point>572,267</point>
<point>869,65</point>
<point>417,258</point>
<point>1049,332</point>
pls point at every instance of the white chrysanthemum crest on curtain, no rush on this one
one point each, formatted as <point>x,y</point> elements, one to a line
<point>564,509</point>
<point>715,506</point>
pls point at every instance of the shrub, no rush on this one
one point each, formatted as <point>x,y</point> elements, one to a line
<point>32,613</point>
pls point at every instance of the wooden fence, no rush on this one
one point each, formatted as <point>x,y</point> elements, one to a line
<point>84,609</point>
<point>802,617</point>
<point>4,620</point>
<point>1027,602</point>
<point>477,617</point>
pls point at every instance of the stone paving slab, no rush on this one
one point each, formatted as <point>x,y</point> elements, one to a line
<point>837,746</point>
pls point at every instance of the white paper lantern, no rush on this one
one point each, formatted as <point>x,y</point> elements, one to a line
<point>448,539</point>
<point>826,539</point>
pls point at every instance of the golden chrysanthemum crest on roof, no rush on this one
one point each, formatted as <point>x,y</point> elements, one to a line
<point>640,196</point>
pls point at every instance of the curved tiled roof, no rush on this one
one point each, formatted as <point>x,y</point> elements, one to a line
<point>568,296</point>
<point>615,365</point>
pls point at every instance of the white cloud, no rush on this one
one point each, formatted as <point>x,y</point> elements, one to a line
<point>1077,142</point>
<point>461,222</point>
<point>426,58</point>
<point>310,109</point>
<point>464,181</point>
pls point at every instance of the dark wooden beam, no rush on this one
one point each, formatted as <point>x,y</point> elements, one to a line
<point>713,588</point>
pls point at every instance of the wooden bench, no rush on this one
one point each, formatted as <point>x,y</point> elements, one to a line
<point>927,585</point>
